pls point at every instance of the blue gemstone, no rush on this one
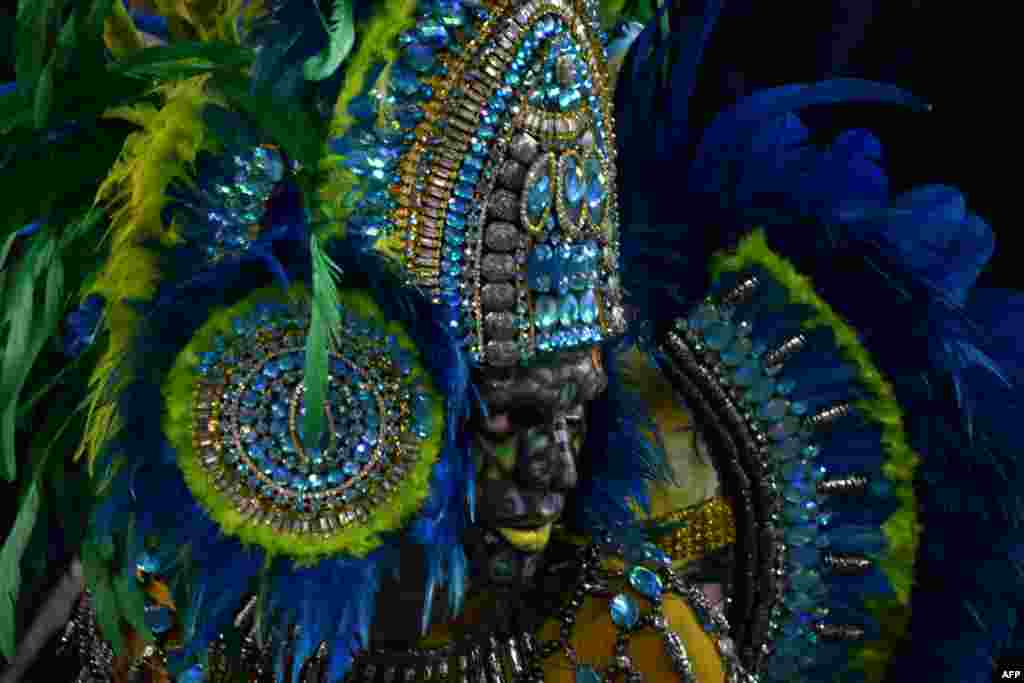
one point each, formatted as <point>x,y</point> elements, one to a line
<point>746,374</point>
<point>192,675</point>
<point>450,12</point>
<point>596,190</point>
<point>586,674</point>
<point>420,57</point>
<point>433,33</point>
<point>737,351</point>
<point>588,307</point>
<point>403,80</point>
<point>773,410</point>
<point>538,197</point>
<point>547,311</point>
<point>624,610</point>
<point>761,390</point>
<point>645,582</point>
<point>148,563</point>
<point>568,310</point>
<point>717,335</point>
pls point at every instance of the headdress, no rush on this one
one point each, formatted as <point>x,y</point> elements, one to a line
<point>497,176</point>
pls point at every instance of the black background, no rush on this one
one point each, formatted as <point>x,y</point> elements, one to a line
<point>953,56</point>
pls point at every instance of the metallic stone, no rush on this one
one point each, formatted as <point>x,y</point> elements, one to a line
<point>512,175</point>
<point>502,354</point>
<point>498,267</point>
<point>502,236</point>
<point>503,205</point>
<point>500,326</point>
<point>498,297</point>
<point>524,148</point>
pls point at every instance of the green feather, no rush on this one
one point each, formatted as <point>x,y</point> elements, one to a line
<point>341,35</point>
<point>182,60</point>
<point>10,566</point>
<point>32,39</point>
<point>43,99</point>
<point>324,332</point>
<point>97,557</point>
<point>27,333</point>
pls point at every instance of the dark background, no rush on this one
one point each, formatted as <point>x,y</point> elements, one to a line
<point>948,55</point>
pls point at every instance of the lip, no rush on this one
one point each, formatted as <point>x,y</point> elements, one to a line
<point>529,540</point>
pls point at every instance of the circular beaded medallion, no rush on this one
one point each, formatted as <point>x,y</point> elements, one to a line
<point>247,462</point>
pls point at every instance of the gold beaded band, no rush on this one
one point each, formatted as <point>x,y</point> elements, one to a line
<point>710,526</point>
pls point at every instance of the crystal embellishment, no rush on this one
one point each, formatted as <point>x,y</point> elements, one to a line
<point>645,582</point>
<point>624,610</point>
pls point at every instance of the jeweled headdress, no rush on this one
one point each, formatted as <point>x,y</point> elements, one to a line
<point>497,173</point>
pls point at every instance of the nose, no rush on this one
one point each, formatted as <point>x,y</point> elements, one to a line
<point>546,460</point>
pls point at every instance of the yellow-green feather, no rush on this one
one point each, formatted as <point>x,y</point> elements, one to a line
<point>359,539</point>
<point>134,193</point>
<point>902,530</point>
<point>377,45</point>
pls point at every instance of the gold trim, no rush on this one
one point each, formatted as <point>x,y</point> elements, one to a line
<point>710,526</point>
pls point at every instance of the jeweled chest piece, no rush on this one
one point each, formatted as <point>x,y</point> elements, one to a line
<point>503,197</point>
<point>249,464</point>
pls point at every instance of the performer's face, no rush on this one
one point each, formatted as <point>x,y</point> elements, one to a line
<point>527,455</point>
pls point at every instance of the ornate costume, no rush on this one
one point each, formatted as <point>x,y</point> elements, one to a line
<point>460,281</point>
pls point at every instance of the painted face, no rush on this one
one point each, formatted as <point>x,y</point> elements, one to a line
<point>527,455</point>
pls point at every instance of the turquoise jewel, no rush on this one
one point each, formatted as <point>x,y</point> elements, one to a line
<point>572,182</point>
<point>568,310</point>
<point>547,311</point>
<point>191,675</point>
<point>588,307</point>
<point>774,410</point>
<point>747,374</point>
<point>147,562</point>
<point>596,189</point>
<point>717,335</point>
<point>645,582</point>
<point>586,674</point>
<point>624,610</point>
<point>433,33</point>
<point>538,197</point>
<point>761,390</point>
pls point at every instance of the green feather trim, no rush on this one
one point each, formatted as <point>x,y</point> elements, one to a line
<point>341,37</point>
<point>324,331</point>
<point>358,540</point>
<point>135,192</point>
<point>902,529</point>
<point>377,44</point>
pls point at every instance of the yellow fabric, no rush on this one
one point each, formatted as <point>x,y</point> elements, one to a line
<point>594,641</point>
